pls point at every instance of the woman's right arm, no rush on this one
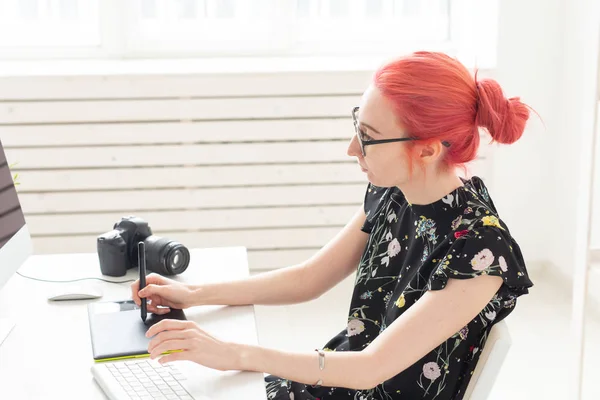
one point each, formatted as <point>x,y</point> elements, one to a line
<point>297,283</point>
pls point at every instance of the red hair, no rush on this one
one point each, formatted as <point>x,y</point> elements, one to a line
<point>435,98</point>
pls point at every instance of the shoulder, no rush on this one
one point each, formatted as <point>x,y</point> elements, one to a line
<point>479,188</point>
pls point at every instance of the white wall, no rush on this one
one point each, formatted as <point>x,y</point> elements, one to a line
<point>573,176</point>
<point>595,239</point>
<point>533,75</point>
<point>547,55</point>
<point>573,143</point>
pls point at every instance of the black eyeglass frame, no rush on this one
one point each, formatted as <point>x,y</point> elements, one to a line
<point>364,143</point>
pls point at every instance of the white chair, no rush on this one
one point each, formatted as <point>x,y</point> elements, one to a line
<point>491,359</point>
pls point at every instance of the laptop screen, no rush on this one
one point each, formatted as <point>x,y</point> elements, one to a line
<point>11,216</point>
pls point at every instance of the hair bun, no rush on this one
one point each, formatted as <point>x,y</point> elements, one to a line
<point>503,118</point>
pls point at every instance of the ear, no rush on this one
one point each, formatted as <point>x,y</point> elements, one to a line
<point>431,152</point>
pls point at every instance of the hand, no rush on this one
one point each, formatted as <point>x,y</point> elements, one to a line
<point>192,344</point>
<point>163,292</point>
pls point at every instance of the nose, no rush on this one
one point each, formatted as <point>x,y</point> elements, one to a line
<point>354,148</point>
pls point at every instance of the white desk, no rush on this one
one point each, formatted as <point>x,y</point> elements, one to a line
<point>48,355</point>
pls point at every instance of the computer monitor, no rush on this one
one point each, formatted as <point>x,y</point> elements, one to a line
<point>15,241</point>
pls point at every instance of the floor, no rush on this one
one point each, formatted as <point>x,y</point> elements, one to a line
<point>538,364</point>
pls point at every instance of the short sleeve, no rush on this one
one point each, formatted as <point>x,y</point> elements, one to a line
<point>485,250</point>
<point>373,202</point>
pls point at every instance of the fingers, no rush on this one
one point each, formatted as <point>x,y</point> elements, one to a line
<point>134,292</point>
<point>157,279</point>
<point>169,345</point>
<point>167,336</point>
<point>153,290</point>
<point>158,310</point>
<point>170,325</point>
<point>158,305</point>
<point>181,355</point>
<point>153,279</point>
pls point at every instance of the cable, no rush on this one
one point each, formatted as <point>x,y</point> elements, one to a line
<point>73,280</point>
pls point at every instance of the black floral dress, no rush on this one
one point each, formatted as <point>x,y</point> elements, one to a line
<point>413,249</point>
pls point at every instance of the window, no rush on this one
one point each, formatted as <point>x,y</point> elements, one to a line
<point>48,23</point>
<point>206,27</point>
<point>197,28</point>
<point>370,26</point>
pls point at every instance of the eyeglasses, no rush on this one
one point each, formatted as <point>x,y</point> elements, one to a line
<point>362,136</point>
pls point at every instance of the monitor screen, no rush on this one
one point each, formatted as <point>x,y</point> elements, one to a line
<point>11,216</point>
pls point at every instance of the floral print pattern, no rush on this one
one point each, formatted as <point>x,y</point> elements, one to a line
<point>491,221</point>
<point>355,327</point>
<point>431,371</point>
<point>394,248</point>
<point>482,260</point>
<point>413,249</point>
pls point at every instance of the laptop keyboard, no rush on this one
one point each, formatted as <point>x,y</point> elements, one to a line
<point>147,380</point>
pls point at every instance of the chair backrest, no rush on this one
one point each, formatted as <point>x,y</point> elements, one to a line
<point>492,356</point>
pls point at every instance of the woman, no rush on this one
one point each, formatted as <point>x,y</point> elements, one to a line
<point>436,266</point>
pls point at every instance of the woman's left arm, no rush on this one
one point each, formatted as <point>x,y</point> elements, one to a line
<point>430,321</point>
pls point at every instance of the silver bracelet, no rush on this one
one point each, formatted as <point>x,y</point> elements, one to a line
<point>321,366</point>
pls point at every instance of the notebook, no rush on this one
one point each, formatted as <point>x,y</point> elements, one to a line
<point>117,331</point>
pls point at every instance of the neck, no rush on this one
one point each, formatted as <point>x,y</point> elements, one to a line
<point>430,188</point>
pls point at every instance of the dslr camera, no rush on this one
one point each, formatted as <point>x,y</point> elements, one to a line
<point>117,249</point>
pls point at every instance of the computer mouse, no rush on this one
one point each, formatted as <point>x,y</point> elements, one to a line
<point>75,292</point>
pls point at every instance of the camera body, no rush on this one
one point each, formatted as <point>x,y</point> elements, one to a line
<point>117,249</point>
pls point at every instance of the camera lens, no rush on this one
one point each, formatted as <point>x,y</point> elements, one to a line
<point>165,256</point>
<point>177,258</point>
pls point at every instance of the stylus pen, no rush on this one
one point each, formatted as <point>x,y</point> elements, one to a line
<point>142,269</point>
